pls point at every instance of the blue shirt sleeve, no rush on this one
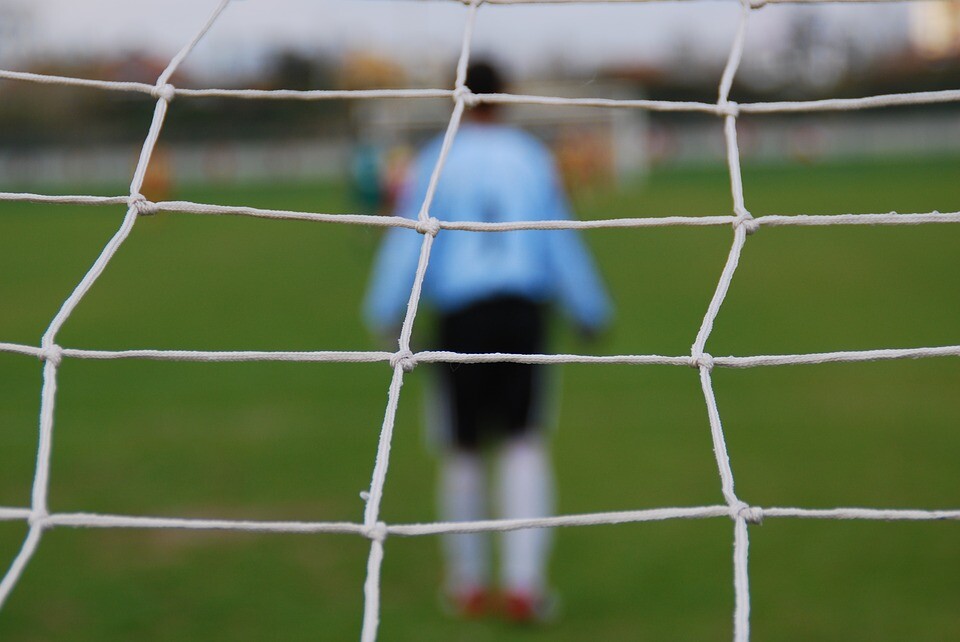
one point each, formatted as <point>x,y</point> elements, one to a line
<point>578,284</point>
<point>396,264</point>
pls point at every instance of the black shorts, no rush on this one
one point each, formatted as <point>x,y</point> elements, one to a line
<point>486,401</point>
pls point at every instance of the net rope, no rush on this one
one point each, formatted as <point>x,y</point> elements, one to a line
<point>404,360</point>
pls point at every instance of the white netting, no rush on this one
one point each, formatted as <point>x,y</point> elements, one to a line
<point>404,360</point>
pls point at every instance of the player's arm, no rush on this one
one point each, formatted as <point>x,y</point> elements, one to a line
<point>580,288</point>
<point>395,265</point>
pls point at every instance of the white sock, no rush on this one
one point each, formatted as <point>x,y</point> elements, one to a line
<point>462,495</point>
<point>525,481</point>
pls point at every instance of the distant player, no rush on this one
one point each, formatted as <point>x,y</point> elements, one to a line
<point>158,182</point>
<point>491,292</point>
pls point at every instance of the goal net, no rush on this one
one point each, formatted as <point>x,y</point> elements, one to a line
<point>404,359</point>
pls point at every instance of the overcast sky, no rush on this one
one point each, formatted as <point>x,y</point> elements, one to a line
<point>417,30</point>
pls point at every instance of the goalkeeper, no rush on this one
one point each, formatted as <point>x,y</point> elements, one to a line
<point>491,291</point>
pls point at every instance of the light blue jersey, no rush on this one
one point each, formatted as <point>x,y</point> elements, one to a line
<point>494,173</point>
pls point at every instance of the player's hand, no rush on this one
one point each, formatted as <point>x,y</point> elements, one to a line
<point>387,339</point>
<point>589,334</point>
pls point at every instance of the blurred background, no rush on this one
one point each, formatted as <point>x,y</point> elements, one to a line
<point>297,441</point>
<point>666,52</point>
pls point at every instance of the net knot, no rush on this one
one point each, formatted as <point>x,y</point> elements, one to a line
<point>729,108</point>
<point>165,92</point>
<point>750,514</point>
<point>404,359</point>
<point>463,93</point>
<point>745,219</point>
<point>140,203</point>
<point>704,360</point>
<point>377,532</point>
<point>38,519</point>
<point>429,226</point>
<point>52,353</point>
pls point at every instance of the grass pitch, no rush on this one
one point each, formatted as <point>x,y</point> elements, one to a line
<point>297,441</point>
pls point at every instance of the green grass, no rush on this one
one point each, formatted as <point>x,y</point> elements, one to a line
<point>296,441</point>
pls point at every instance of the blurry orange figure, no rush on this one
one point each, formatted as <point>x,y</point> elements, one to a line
<point>158,182</point>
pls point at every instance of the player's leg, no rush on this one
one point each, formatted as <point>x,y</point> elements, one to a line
<point>525,489</point>
<point>462,491</point>
<point>462,495</point>
<point>524,472</point>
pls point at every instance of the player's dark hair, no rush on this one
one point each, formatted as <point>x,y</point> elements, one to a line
<point>484,77</point>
